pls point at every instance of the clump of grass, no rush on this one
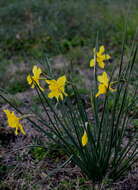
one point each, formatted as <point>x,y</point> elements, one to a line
<point>95,145</point>
<point>17,86</point>
<point>38,153</point>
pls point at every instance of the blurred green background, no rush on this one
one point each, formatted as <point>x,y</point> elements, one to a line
<point>30,30</point>
<point>35,27</point>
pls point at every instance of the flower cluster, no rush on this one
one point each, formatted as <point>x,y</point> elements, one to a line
<point>92,137</point>
<point>57,88</point>
<point>104,83</point>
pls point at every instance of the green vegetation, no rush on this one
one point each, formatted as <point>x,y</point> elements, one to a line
<point>57,26</point>
<point>60,35</point>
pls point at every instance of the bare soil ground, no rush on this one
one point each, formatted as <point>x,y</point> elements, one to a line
<point>23,168</point>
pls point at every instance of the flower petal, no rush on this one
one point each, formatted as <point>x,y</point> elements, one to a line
<point>106,57</point>
<point>29,79</point>
<point>103,78</point>
<point>22,129</point>
<point>51,95</point>
<point>101,90</point>
<point>61,80</point>
<point>101,64</point>
<point>101,49</point>
<point>92,62</point>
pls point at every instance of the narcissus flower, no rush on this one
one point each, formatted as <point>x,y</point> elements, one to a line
<point>84,139</point>
<point>57,87</point>
<point>99,57</point>
<point>14,122</point>
<point>104,83</point>
<point>33,80</point>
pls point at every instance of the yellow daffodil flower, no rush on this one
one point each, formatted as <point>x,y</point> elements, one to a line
<point>104,83</point>
<point>99,57</point>
<point>57,87</point>
<point>14,122</point>
<point>84,139</point>
<point>35,78</point>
